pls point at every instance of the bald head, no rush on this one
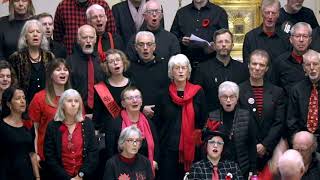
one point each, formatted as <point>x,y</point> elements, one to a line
<point>291,166</point>
<point>306,144</point>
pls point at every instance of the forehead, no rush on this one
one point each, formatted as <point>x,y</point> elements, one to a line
<point>5,71</point>
<point>132,92</point>
<point>46,19</point>
<point>144,38</point>
<point>258,59</point>
<point>71,97</point>
<point>311,59</point>
<point>301,30</point>
<point>271,7</point>
<point>87,31</point>
<point>302,139</point>
<point>113,56</point>
<point>228,92</point>
<point>224,36</point>
<point>33,26</point>
<point>153,5</point>
<point>18,92</point>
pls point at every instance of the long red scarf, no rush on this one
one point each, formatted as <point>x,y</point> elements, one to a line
<point>144,127</point>
<point>187,143</point>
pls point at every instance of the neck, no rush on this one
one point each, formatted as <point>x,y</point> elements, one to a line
<point>269,29</point>
<point>34,52</point>
<point>200,5</point>
<point>180,85</point>
<point>214,161</point>
<point>256,82</point>
<point>289,10</point>
<point>224,59</point>
<point>21,16</point>
<point>69,120</point>
<point>153,28</point>
<point>58,89</point>
<point>127,155</point>
<point>134,116</point>
<point>148,60</point>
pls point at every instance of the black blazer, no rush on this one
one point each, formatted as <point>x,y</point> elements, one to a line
<point>269,125</point>
<point>52,150</point>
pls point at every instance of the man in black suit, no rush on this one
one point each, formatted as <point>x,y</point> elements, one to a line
<point>265,102</point>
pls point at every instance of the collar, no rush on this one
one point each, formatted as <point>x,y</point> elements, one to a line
<point>154,61</point>
<point>262,33</point>
<point>222,64</point>
<point>296,57</point>
<point>145,28</point>
<point>84,4</point>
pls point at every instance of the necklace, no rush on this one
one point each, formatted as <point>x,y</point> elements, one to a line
<point>35,60</point>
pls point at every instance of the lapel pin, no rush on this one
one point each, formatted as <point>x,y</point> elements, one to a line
<point>251,101</point>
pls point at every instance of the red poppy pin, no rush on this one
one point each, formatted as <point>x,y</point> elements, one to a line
<point>205,23</point>
<point>229,176</point>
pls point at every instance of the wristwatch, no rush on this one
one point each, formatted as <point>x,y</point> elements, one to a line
<point>81,174</point>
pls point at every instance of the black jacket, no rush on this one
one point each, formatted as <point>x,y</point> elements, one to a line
<point>52,150</point>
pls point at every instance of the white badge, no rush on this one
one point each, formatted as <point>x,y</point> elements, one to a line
<point>251,101</point>
<point>254,109</point>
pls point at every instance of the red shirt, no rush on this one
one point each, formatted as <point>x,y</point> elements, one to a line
<point>72,149</point>
<point>42,113</point>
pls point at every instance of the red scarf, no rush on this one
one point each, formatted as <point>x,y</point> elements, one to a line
<point>186,144</point>
<point>144,127</point>
<point>297,57</point>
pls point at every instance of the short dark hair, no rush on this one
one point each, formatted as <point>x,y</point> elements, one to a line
<point>261,53</point>
<point>43,15</point>
<point>6,65</point>
<point>222,31</point>
<point>6,98</point>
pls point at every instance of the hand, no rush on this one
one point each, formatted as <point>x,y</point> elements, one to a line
<point>147,110</point>
<point>261,150</point>
<point>186,41</point>
<point>155,165</point>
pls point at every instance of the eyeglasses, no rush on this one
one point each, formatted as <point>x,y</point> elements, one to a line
<point>271,13</point>
<point>299,36</point>
<point>225,97</point>
<point>142,44</point>
<point>217,143</point>
<point>134,141</point>
<point>153,11</point>
<point>131,98</point>
<point>180,67</point>
<point>112,61</point>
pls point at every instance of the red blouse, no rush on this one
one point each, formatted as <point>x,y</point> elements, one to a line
<point>72,149</point>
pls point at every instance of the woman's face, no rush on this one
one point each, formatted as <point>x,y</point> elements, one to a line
<point>60,75</point>
<point>228,100</point>
<point>20,6</point>
<point>132,101</point>
<point>18,102</point>
<point>180,72</point>
<point>5,79</point>
<point>215,147</point>
<point>131,145</point>
<point>33,36</point>
<point>71,106</point>
<point>115,64</point>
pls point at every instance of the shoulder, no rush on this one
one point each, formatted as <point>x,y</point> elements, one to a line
<point>4,20</point>
<point>253,32</point>
<point>120,5</point>
<point>284,56</point>
<point>306,10</point>
<point>244,85</point>
<point>216,7</point>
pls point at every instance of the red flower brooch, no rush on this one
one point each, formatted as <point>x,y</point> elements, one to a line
<point>205,23</point>
<point>229,176</point>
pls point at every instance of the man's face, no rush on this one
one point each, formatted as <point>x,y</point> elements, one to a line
<point>304,145</point>
<point>145,47</point>
<point>47,23</point>
<point>20,6</point>
<point>295,5</point>
<point>98,20</point>
<point>258,67</point>
<point>153,15</point>
<point>312,68</point>
<point>300,40</point>
<point>223,44</point>
<point>228,100</point>
<point>270,15</point>
<point>87,39</point>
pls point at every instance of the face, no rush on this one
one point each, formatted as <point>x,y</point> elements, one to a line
<point>228,100</point>
<point>199,1</point>
<point>180,72</point>
<point>145,48</point>
<point>71,106</point>
<point>60,75</point>
<point>5,79</point>
<point>295,5</point>
<point>153,16</point>
<point>223,44</point>
<point>98,20</point>
<point>33,36</point>
<point>215,147</point>
<point>300,40</point>
<point>304,146</point>
<point>20,6</point>
<point>258,67</point>
<point>18,102</point>
<point>270,15</point>
<point>131,145</point>
<point>312,68</point>
<point>132,101</point>
<point>115,64</point>
<point>87,40</point>
<point>47,24</point>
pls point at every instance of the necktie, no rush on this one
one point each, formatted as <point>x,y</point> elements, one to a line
<point>101,53</point>
<point>312,121</point>
<point>90,82</point>
<point>215,174</point>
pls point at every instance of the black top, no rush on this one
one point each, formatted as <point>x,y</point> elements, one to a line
<point>9,35</point>
<point>315,45</point>
<point>57,49</point>
<point>275,45</point>
<point>37,80</point>
<point>167,44</point>
<point>189,20</point>
<point>313,172</point>
<point>16,145</point>
<point>287,71</point>
<point>213,72</point>
<point>286,20</point>
<point>117,169</point>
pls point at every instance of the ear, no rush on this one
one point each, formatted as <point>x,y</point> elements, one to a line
<point>123,104</point>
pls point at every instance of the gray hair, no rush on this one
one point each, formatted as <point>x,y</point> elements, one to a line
<point>261,53</point>
<point>22,42</point>
<point>178,59</point>
<point>92,7</point>
<point>311,54</point>
<point>125,134</point>
<point>289,163</point>
<point>266,3</point>
<point>228,86</point>
<point>300,25</point>
<point>145,33</point>
<point>60,114</point>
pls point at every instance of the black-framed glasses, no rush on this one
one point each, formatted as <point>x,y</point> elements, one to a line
<point>134,141</point>
<point>217,143</point>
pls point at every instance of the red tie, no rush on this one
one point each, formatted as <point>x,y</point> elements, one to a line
<point>312,121</point>
<point>101,53</point>
<point>215,175</point>
<point>90,82</point>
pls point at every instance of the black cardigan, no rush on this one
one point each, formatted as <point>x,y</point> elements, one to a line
<point>52,150</point>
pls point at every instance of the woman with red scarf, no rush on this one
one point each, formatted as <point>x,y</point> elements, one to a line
<point>179,118</point>
<point>131,101</point>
